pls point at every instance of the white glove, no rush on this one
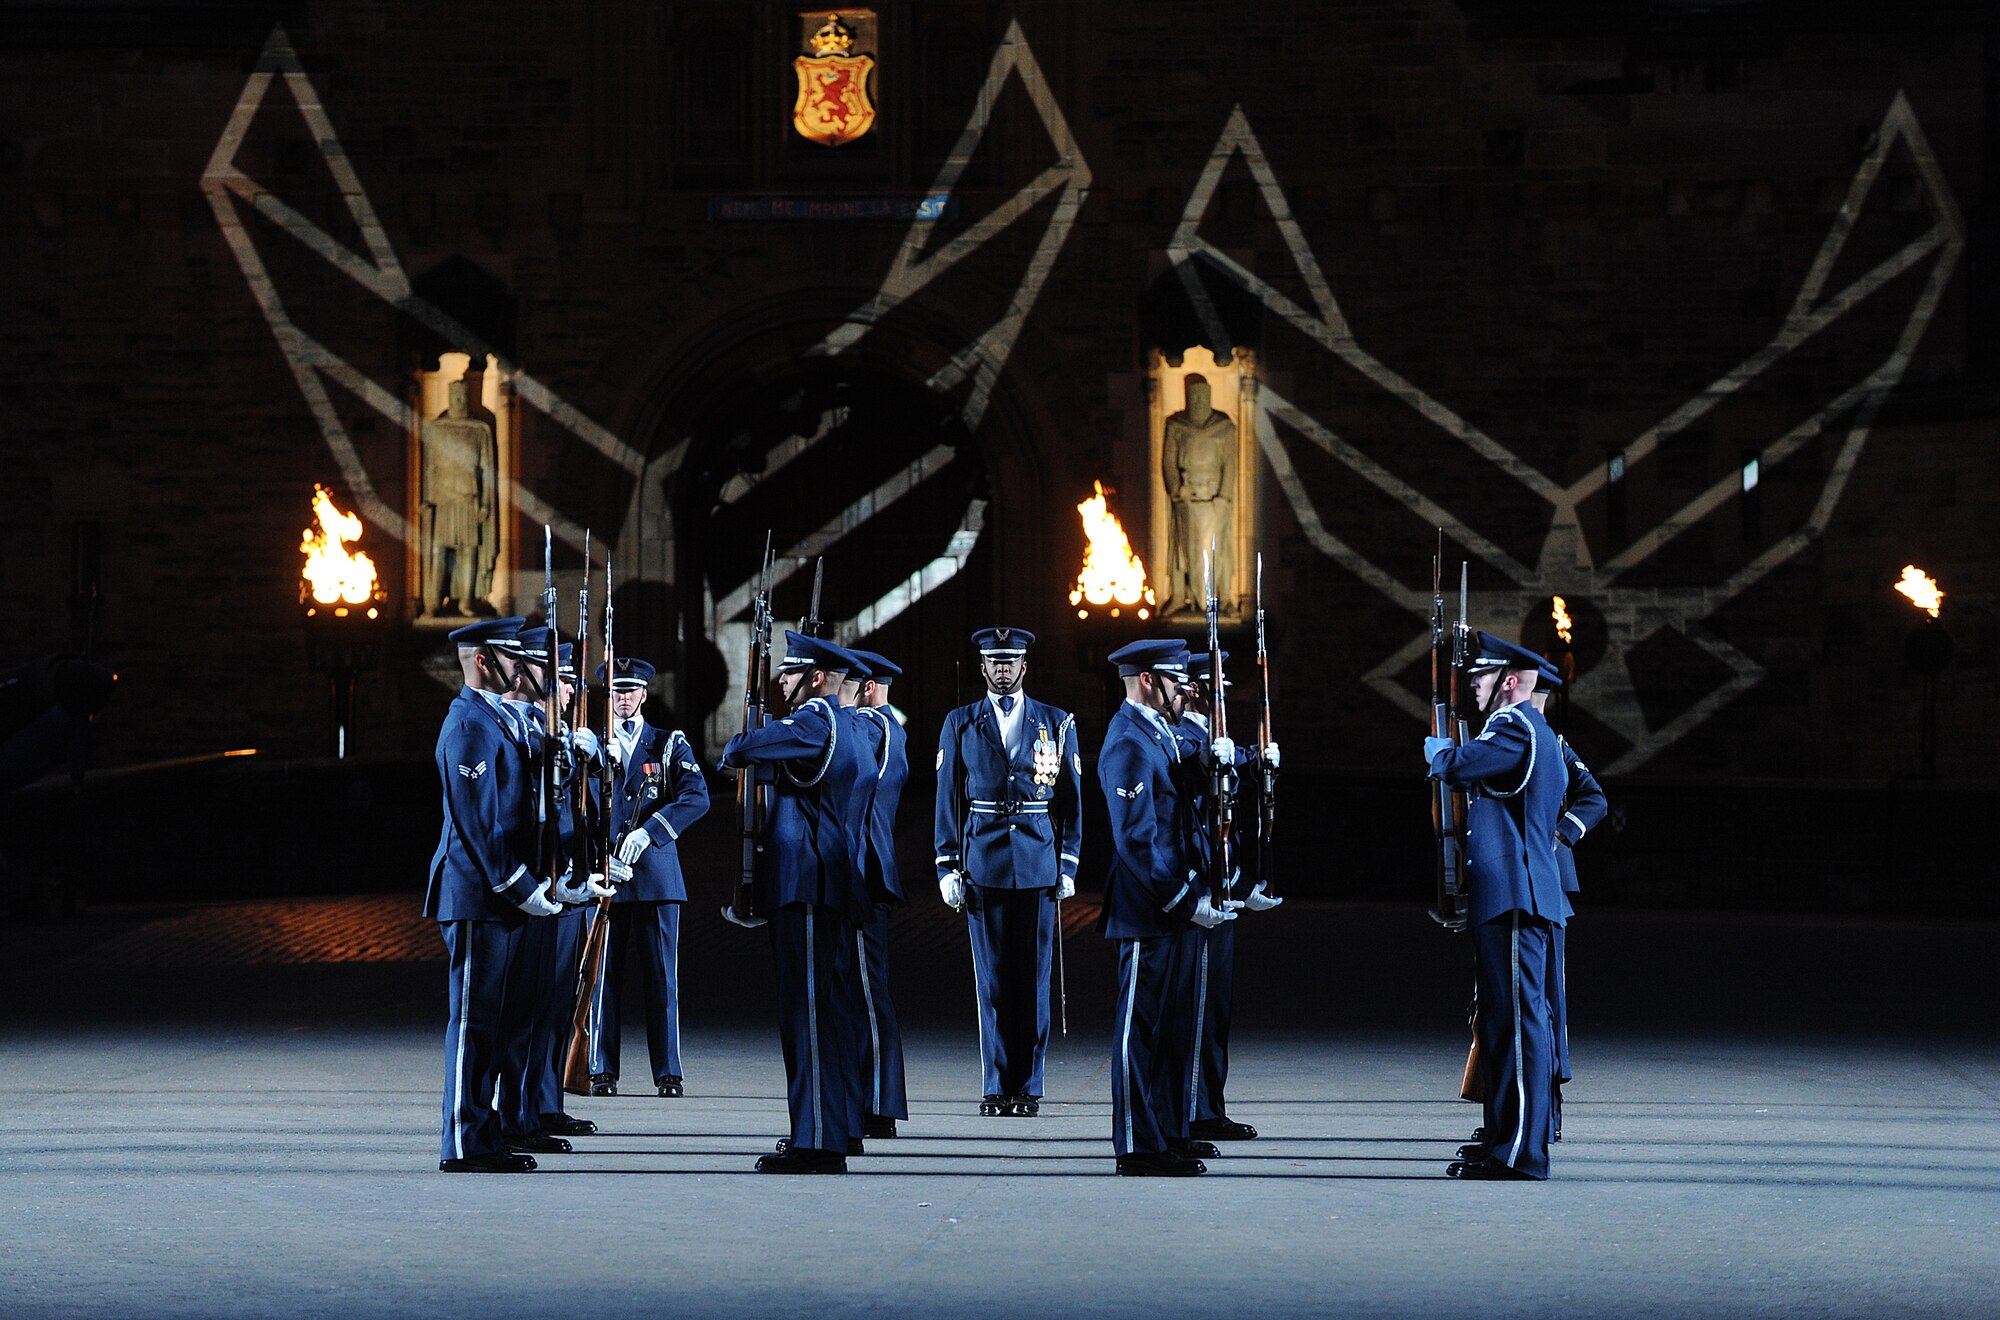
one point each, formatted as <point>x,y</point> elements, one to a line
<point>1259,901</point>
<point>586,742</point>
<point>1225,751</point>
<point>632,845</point>
<point>1067,889</point>
<point>951,886</point>
<point>596,885</point>
<point>539,904</point>
<point>617,872</point>
<point>1432,746</point>
<point>730,915</point>
<point>1271,756</point>
<point>1206,917</point>
<point>568,890</point>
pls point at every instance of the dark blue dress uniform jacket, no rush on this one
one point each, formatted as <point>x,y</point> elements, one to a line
<point>890,748</point>
<point>815,838</point>
<point>1515,773</point>
<point>1583,807</point>
<point>1152,887</point>
<point>994,824</point>
<point>660,790</point>
<point>484,866</point>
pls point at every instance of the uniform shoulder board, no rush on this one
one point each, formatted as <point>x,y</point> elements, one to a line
<point>472,771</point>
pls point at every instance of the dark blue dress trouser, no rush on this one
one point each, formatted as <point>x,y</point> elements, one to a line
<point>650,935</point>
<point>1215,979</point>
<point>1516,963</point>
<point>489,1024</point>
<point>1150,1082</point>
<point>1013,942</point>
<point>819,990</point>
<point>881,1039</point>
<point>551,1047</point>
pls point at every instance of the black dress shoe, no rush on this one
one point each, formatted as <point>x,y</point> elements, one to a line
<point>498,1161</point>
<point>538,1141</point>
<point>604,1084</point>
<point>802,1159</point>
<point>670,1088</point>
<point>1472,1153</point>
<point>876,1125</point>
<point>1478,1136</point>
<point>1486,1170</point>
<point>1221,1129</point>
<point>854,1146</point>
<point>1194,1149</point>
<point>993,1106</point>
<point>1025,1106</point>
<point>562,1125</point>
<point>1159,1164</point>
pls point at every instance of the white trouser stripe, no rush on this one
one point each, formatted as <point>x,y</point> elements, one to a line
<point>874,1033</point>
<point>1200,1012</point>
<point>674,1041</point>
<point>1125,1040</point>
<point>464,1022</point>
<point>812,1020</point>
<point>1520,1064</point>
<point>978,995</point>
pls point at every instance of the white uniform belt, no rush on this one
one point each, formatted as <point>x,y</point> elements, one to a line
<point>1010,808</point>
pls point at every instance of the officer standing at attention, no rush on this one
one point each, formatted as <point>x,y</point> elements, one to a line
<point>657,791</point>
<point>1153,894</point>
<point>1514,773</point>
<point>812,887</point>
<point>884,1098</point>
<point>1215,971</point>
<point>1584,805</point>
<point>1009,828</point>
<point>482,892</point>
<point>552,1025</point>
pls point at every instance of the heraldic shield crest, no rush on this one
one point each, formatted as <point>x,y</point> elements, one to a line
<point>833,105</point>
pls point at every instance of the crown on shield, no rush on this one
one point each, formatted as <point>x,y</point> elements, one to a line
<point>833,38</point>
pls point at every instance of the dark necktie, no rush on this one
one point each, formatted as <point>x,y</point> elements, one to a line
<point>628,728</point>
<point>1006,705</point>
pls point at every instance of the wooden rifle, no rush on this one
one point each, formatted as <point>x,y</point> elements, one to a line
<point>548,784</point>
<point>1448,804</point>
<point>750,803</point>
<point>582,844</point>
<point>1222,778</point>
<point>1267,774</point>
<point>590,969</point>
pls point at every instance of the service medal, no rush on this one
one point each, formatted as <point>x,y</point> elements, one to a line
<point>1048,758</point>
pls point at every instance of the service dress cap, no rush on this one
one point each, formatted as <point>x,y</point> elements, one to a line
<point>1003,643</point>
<point>632,673</point>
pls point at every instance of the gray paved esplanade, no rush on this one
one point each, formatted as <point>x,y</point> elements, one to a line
<point>206,1127</point>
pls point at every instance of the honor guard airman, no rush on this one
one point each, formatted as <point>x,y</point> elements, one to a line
<point>1215,969</point>
<point>483,893</point>
<point>1008,831</point>
<point>552,1026</point>
<point>657,792</point>
<point>1515,776</point>
<point>885,1097</point>
<point>1154,894</point>
<point>523,1082</point>
<point>812,887</point>
<point>1584,805</point>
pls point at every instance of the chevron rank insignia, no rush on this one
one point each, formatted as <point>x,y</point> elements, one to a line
<point>473,771</point>
<point>940,760</point>
<point>1131,792</point>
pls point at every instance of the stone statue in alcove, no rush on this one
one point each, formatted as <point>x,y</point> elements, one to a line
<point>460,505</point>
<point>1198,468</point>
